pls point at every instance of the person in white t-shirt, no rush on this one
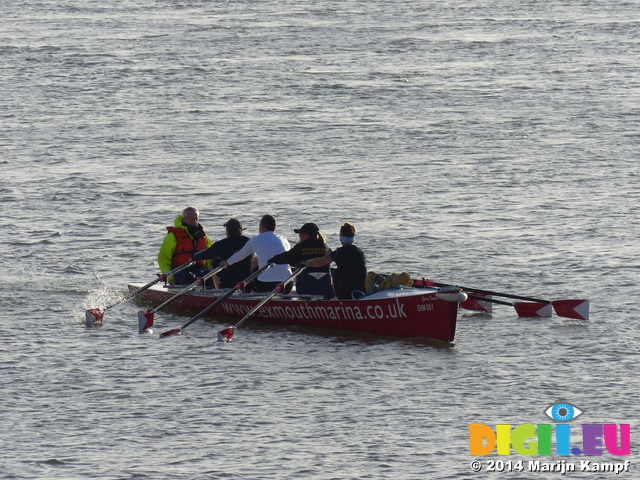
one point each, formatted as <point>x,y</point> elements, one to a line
<point>264,246</point>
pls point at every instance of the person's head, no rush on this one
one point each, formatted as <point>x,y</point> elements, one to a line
<point>267,224</point>
<point>347,233</point>
<point>234,227</point>
<point>190,216</point>
<point>308,230</point>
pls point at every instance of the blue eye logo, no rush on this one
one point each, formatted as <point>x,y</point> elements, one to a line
<point>563,412</point>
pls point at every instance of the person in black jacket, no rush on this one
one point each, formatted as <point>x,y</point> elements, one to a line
<point>348,278</point>
<point>314,280</point>
<point>223,249</point>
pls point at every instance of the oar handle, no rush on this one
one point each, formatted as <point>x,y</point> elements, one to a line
<point>256,274</point>
<point>239,286</point>
<point>275,291</point>
<point>188,288</point>
<point>173,271</point>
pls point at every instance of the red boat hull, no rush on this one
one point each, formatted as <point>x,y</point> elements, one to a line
<point>396,313</point>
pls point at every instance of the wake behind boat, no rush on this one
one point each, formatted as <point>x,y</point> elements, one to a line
<point>402,312</point>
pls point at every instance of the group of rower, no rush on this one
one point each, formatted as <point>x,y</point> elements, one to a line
<point>187,241</point>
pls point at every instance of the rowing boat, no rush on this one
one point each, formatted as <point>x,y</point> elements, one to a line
<point>397,312</point>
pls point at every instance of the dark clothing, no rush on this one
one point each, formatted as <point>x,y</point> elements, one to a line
<point>311,248</point>
<point>259,286</point>
<point>314,280</point>
<point>190,275</point>
<point>222,250</point>
<point>351,272</point>
<point>308,284</point>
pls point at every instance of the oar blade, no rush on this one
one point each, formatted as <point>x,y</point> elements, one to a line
<point>145,320</point>
<point>578,309</point>
<point>93,316</point>
<point>226,335</point>
<point>533,309</point>
<point>477,304</point>
<point>168,333</point>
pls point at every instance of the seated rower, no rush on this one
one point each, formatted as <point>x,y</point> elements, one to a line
<point>223,249</point>
<point>264,246</point>
<point>314,280</point>
<point>352,265</point>
<point>182,240</point>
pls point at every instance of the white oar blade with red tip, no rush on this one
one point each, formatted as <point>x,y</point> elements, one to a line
<point>478,304</point>
<point>578,309</point>
<point>145,320</point>
<point>94,316</point>
<point>173,331</point>
<point>226,335</point>
<point>533,309</point>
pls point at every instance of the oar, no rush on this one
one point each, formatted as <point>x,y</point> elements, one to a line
<point>145,317</point>
<point>239,286</point>
<point>227,334</point>
<point>578,309</point>
<point>523,309</point>
<point>95,315</point>
<point>477,303</point>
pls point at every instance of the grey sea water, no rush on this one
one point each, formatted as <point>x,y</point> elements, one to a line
<point>491,144</point>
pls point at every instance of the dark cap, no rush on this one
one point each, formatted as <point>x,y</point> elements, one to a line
<point>233,225</point>
<point>308,228</point>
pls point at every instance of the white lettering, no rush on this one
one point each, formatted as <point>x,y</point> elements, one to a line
<point>305,310</point>
<point>560,466</point>
<point>615,467</point>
